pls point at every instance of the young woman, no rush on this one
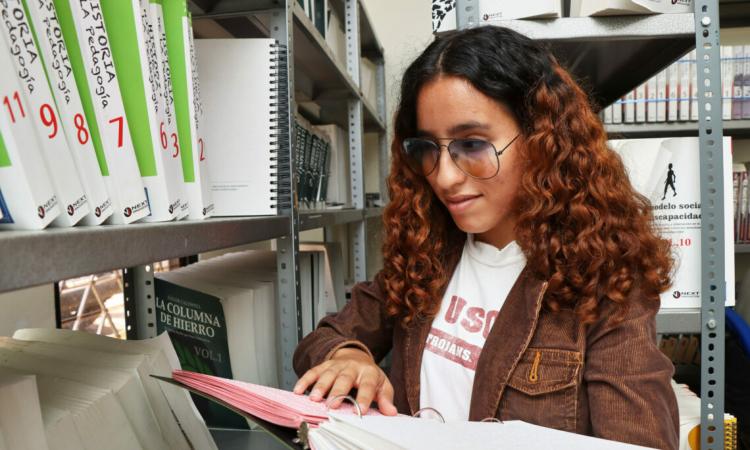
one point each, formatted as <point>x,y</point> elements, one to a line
<point>522,273</point>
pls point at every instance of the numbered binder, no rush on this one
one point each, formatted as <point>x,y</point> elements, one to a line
<point>242,113</point>
<point>42,110</point>
<point>82,23</point>
<point>194,147</point>
<point>27,198</point>
<point>133,42</point>
<point>168,134</point>
<point>72,118</point>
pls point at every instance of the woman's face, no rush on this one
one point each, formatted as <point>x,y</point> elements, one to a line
<point>450,107</point>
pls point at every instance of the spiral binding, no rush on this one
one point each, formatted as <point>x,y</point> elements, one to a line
<point>281,189</point>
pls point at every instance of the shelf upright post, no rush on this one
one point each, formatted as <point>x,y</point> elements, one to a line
<point>467,14</point>
<point>383,134</point>
<point>713,280</point>
<point>289,306</point>
<point>355,138</point>
<point>140,302</point>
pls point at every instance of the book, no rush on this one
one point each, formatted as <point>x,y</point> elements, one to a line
<point>651,99</point>
<point>738,172</point>
<point>134,52</point>
<point>746,82</point>
<point>165,104</point>
<point>136,365</point>
<point>673,92</point>
<point>26,193</point>
<point>617,110</point>
<point>282,413</point>
<point>21,425</point>
<point>161,360</point>
<point>661,96</point>
<point>127,390</point>
<point>640,103</point>
<point>444,11</point>
<point>337,185</point>
<point>242,119</point>
<point>72,118</point>
<point>82,22</point>
<point>738,81</point>
<point>194,147</point>
<point>693,67</point>
<point>607,115</point>
<point>27,59</point>
<point>667,172</point>
<point>727,80</point>
<point>629,107</point>
<point>683,67</point>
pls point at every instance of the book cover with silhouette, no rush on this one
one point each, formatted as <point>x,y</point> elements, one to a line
<point>667,172</point>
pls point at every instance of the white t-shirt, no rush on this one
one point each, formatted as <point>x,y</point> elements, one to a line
<point>476,292</point>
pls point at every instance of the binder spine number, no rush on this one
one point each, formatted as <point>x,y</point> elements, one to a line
<point>279,103</point>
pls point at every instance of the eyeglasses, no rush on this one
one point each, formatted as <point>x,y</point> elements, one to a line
<point>476,158</point>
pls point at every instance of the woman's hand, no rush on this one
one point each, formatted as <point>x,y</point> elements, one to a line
<point>349,368</point>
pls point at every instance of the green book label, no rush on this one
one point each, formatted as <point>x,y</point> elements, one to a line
<point>196,326</point>
<point>121,19</point>
<point>70,37</point>
<point>4,157</point>
<point>178,47</point>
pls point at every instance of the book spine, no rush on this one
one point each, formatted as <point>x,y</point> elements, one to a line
<point>640,103</point>
<point>82,22</point>
<point>746,83</point>
<point>27,60</point>
<point>133,48</point>
<point>607,114</point>
<point>694,114</point>
<point>168,134</point>
<point>280,161</point>
<point>29,200</point>
<point>673,88</point>
<point>661,96</point>
<point>743,208</point>
<point>72,117</point>
<point>737,82</point>
<point>727,78</point>
<point>736,177</point>
<point>684,106</point>
<point>188,108</point>
<point>651,99</point>
<point>630,106</point>
<point>617,111</point>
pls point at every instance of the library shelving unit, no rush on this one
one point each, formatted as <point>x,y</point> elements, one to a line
<point>611,56</point>
<point>31,258</point>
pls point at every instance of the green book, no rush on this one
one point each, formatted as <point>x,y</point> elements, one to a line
<point>194,150</point>
<point>90,52</point>
<point>134,51</point>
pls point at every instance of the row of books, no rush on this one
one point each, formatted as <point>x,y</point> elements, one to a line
<point>741,203</point>
<point>104,119</point>
<point>221,314</point>
<point>672,94</point>
<point>101,117</point>
<point>69,390</point>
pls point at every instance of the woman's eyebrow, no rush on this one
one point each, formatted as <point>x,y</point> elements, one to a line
<point>456,129</point>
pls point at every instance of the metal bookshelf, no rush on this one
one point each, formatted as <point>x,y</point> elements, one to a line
<point>734,128</point>
<point>37,257</point>
<point>612,55</point>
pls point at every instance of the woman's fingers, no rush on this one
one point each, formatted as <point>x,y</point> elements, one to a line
<point>385,399</point>
<point>370,380</point>
<point>341,387</point>
<point>324,383</point>
<point>309,378</point>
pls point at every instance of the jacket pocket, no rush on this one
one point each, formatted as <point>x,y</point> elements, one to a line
<point>543,388</point>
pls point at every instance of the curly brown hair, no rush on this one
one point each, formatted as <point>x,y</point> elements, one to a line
<point>581,225</point>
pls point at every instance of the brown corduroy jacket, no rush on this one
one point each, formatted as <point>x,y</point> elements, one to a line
<point>607,379</point>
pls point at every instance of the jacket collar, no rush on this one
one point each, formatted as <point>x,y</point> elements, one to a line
<point>508,339</point>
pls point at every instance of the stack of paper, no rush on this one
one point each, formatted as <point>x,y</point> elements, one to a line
<point>97,392</point>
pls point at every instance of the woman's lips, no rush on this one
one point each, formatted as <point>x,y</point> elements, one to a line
<point>459,203</point>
